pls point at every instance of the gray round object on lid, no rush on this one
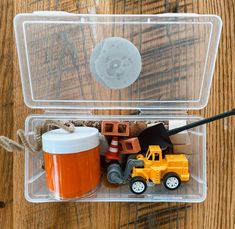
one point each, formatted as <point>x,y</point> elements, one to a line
<point>115,62</point>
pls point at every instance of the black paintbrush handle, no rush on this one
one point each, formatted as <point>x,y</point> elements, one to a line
<point>201,122</point>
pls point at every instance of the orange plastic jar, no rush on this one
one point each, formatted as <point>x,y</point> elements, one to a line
<point>72,162</point>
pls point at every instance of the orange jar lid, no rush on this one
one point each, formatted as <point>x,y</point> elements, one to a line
<point>60,141</point>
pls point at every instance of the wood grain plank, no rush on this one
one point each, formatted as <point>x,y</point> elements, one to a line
<point>6,112</point>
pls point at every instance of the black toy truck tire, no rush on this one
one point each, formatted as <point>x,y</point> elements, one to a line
<point>140,180</point>
<point>174,177</point>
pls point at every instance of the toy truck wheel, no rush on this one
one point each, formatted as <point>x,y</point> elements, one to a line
<point>171,181</point>
<point>138,185</point>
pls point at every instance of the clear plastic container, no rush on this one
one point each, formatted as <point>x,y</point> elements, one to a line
<point>178,54</point>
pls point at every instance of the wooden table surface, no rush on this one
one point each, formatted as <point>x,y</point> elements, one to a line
<point>217,211</point>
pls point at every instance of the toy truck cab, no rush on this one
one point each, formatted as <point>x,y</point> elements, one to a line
<point>172,170</point>
<point>153,155</point>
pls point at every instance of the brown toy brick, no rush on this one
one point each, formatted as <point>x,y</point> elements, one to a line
<point>115,128</point>
<point>129,146</point>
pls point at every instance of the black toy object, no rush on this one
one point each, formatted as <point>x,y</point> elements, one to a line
<point>158,135</point>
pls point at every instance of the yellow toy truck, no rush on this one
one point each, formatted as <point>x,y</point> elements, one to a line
<point>172,170</point>
<point>152,167</point>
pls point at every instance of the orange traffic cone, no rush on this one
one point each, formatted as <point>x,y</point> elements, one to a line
<point>113,153</point>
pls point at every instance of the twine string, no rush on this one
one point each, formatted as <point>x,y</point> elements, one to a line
<point>23,143</point>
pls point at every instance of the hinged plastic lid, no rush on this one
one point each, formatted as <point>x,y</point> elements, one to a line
<point>178,53</point>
